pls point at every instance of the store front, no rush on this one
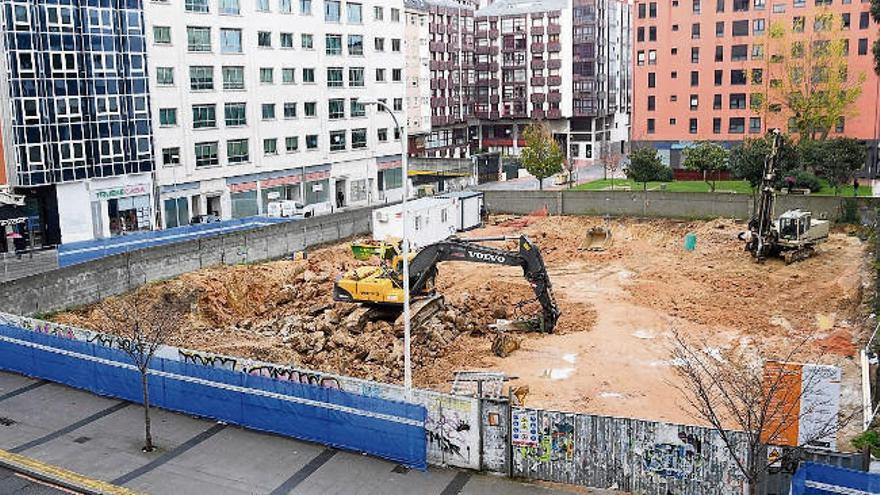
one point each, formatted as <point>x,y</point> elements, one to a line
<point>250,195</point>
<point>121,210</point>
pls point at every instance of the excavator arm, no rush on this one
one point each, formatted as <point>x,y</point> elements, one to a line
<point>423,267</point>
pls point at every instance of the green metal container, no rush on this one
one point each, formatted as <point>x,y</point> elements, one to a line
<point>690,242</point>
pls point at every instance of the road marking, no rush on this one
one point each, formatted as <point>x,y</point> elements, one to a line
<point>454,487</point>
<point>26,388</point>
<point>57,476</point>
<point>304,472</point>
<point>171,454</point>
<point>67,429</point>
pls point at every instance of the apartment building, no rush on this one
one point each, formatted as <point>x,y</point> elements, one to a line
<point>700,66</point>
<point>259,100</point>
<point>562,62</point>
<point>76,132</point>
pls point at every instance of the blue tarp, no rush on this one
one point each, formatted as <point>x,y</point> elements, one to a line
<point>388,429</point>
<point>822,479</point>
<point>80,252</point>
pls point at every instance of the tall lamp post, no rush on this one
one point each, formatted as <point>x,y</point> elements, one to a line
<point>407,360</point>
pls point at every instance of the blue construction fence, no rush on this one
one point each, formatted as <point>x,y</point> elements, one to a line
<point>821,479</point>
<point>80,252</point>
<point>388,429</point>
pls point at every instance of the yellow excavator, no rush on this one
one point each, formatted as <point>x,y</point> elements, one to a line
<point>381,287</point>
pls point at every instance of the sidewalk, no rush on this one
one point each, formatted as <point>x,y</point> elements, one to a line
<point>101,438</point>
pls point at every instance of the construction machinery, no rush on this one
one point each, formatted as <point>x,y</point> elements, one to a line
<point>381,287</point>
<point>794,234</point>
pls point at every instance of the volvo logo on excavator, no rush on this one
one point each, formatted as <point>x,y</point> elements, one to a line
<point>487,257</point>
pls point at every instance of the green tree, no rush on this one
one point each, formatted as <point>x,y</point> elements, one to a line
<point>542,156</point>
<point>806,77</point>
<point>644,166</point>
<point>875,14</point>
<point>841,158</point>
<point>747,159</point>
<point>707,157</point>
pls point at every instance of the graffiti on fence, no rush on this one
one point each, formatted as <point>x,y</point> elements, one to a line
<point>448,427</point>
<point>669,460</point>
<point>258,369</point>
<point>555,440</point>
<point>44,327</point>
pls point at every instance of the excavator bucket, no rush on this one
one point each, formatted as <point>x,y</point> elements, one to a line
<point>421,310</point>
<point>598,239</point>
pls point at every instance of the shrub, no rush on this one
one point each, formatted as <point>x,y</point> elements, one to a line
<point>801,179</point>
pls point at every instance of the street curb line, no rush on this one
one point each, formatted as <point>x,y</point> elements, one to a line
<point>58,476</point>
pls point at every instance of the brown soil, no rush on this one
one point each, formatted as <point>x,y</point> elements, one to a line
<point>610,353</point>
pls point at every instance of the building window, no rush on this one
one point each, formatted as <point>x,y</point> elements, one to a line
<point>379,44</point>
<point>262,5</point>
<point>695,55</point>
<point>167,117</point>
<point>695,102</point>
<point>206,154</point>
<point>230,7</point>
<point>291,143</point>
<point>719,77</point>
<point>267,110</point>
<point>716,102</point>
<point>285,6</point>
<point>358,140</point>
<point>336,108</point>
<point>652,103</point>
<point>201,77</point>
<point>355,44</point>
<point>740,28</point>
<point>716,125</point>
<point>307,41</point>
<point>355,76</point>
<point>230,40</point>
<point>233,77</point>
<point>652,80</point>
<point>758,26</point>
<point>333,44</point>
<point>331,10</point>
<point>737,101</point>
<point>396,75</point>
<point>270,146</point>
<point>737,77</point>
<point>397,105</point>
<point>355,13</point>
<point>305,7</point>
<point>290,110</point>
<point>165,76</point>
<point>357,109</point>
<point>695,31</point>
<point>267,75</point>
<point>737,125</point>
<point>237,151</point>
<point>380,75</point>
<point>162,35</point>
<point>754,125</point>
<point>196,5</point>
<point>170,157</point>
<point>382,135</point>
<point>395,44</point>
<point>651,126</point>
<point>310,108</point>
<point>337,140</point>
<point>334,77</point>
<point>695,78</point>
<point>863,46</point>
<point>692,126</point>
<point>308,75</point>
<point>264,39</point>
<point>378,13</point>
<point>395,15</point>
<point>864,20</point>
<point>235,114</point>
<point>311,141</point>
<point>198,39</point>
<point>286,40</point>
<point>288,75</point>
<point>204,116</point>
<point>719,29</point>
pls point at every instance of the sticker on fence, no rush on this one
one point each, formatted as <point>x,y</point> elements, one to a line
<point>525,428</point>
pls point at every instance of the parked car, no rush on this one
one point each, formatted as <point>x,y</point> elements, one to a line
<point>294,209</point>
<point>209,218</point>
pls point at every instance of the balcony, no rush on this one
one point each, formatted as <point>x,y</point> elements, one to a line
<point>492,83</point>
<point>537,64</point>
<point>436,46</point>
<point>553,81</point>
<point>554,29</point>
<point>537,114</point>
<point>494,115</point>
<point>482,33</point>
<point>441,28</point>
<point>452,46</point>
<point>481,115</point>
<point>493,34</point>
<point>554,113</point>
<point>483,50</point>
<point>554,47</point>
<point>438,101</point>
<point>554,63</point>
<point>494,99</point>
<point>537,47</point>
<point>538,97</point>
<point>436,65</point>
<point>441,84</point>
<point>537,81</point>
<point>438,120</point>
<point>554,97</point>
<point>536,30</point>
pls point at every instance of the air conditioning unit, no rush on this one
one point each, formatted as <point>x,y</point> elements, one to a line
<point>382,216</point>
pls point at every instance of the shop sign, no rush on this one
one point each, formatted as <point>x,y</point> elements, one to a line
<point>13,221</point>
<point>122,192</point>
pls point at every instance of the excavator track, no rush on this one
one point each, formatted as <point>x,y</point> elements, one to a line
<point>422,310</point>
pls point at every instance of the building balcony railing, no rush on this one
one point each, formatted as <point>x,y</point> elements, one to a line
<point>494,115</point>
<point>538,97</point>
<point>554,29</point>
<point>493,83</point>
<point>554,46</point>
<point>537,63</point>
<point>452,46</point>
<point>436,46</point>
<point>536,30</point>
<point>437,65</point>
<point>438,120</point>
<point>537,81</point>
<point>494,99</point>
<point>537,114</point>
<point>481,115</point>
<point>554,81</point>
<point>438,101</point>
<point>493,34</point>
<point>554,63</point>
<point>554,97</point>
<point>482,33</point>
<point>554,113</point>
<point>537,47</point>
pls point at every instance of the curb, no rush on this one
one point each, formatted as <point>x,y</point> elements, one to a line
<point>60,477</point>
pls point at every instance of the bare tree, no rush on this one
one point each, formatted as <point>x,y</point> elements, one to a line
<point>140,323</point>
<point>610,159</point>
<point>752,391</point>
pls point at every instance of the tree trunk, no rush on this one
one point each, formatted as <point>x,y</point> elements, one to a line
<point>540,183</point>
<point>148,436</point>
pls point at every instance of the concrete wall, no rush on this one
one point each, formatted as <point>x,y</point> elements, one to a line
<point>657,203</point>
<point>88,282</point>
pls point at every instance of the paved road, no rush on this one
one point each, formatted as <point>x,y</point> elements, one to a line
<point>583,174</point>
<point>12,482</point>
<point>101,438</point>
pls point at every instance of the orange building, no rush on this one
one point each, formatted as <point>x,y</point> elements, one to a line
<point>698,65</point>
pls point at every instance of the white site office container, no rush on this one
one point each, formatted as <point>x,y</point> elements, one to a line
<point>430,220</point>
<point>469,205</point>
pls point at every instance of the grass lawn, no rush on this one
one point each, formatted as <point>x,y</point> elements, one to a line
<point>737,186</point>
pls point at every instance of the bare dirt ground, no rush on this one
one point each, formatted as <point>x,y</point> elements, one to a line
<point>610,354</point>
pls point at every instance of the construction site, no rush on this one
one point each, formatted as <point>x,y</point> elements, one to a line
<point>609,350</point>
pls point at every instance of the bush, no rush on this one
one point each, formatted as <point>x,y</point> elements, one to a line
<point>850,213</point>
<point>869,439</point>
<point>664,175</point>
<point>802,179</point>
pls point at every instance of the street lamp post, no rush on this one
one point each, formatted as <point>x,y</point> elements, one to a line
<point>407,360</point>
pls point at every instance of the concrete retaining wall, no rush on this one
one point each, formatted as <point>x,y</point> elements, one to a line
<point>89,282</point>
<point>657,203</point>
